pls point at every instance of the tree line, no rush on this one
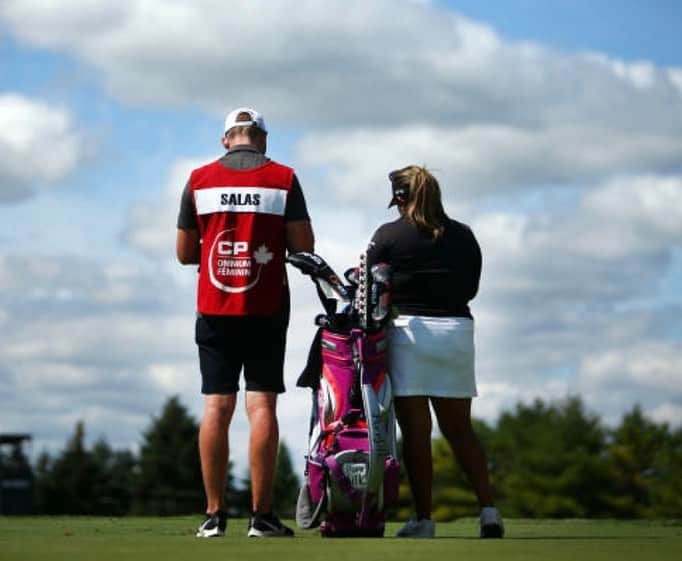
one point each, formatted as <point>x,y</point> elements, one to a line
<point>164,478</point>
<point>546,460</point>
<point>557,460</point>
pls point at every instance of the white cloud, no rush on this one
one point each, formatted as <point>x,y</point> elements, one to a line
<point>500,396</point>
<point>39,143</point>
<point>651,364</point>
<point>614,230</point>
<point>675,75</point>
<point>670,413</point>
<point>641,74</point>
<point>560,292</point>
<point>97,349</point>
<point>152,226</point>
<point>480,160</point>
<point>639,210</point>
<point>343,63</point>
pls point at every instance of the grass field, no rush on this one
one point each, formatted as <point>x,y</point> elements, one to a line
<point>169,539</point>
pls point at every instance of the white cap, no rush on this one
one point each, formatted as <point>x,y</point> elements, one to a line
<point>256,119</point>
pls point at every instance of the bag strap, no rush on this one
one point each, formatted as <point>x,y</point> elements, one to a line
<point>304,518</point>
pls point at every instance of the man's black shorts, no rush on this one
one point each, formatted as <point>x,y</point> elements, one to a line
<point>228,343</point>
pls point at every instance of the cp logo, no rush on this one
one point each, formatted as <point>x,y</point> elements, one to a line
<point>232,248</point>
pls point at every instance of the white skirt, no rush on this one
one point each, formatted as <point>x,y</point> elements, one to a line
<point>432,356</point>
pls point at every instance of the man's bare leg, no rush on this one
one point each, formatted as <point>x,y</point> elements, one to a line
<point>214,447</point>
<point>261,408</point>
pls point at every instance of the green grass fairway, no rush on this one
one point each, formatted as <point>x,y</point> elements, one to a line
<point>169,539</point>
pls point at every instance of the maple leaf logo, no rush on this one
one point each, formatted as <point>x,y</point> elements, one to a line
<point>262,256</point>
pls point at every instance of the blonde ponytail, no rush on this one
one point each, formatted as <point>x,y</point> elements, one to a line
<point>424,207</point>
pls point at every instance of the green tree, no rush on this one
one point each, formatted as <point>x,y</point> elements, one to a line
<point>240,501</point>
<point>232,494</point>
<point>286,484</point>
<point>82,481</point>
<point>666,480</point>
<point>114,483</point>
<point>71,480</point>
<point>547,461</point>
<point>638,457</point>
<point>169,479</point>
<point>43,484</point>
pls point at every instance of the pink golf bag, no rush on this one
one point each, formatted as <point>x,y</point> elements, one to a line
<point>352,470</point>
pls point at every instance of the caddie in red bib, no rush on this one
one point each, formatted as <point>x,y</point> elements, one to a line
<point>238,217</point>
<point>240,214</point>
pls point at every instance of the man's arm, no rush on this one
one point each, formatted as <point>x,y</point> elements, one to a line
<point>188,247</point>
<point>187,244</point>
<point>300,237</point>
<point>299,232</point>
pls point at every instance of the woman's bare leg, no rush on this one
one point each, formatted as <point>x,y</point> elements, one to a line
<point>414,418</point>
<point>454,420</point>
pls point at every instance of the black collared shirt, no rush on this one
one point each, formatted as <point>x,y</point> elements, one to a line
<point>245,157</point>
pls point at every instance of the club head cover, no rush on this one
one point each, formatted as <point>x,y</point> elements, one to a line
<point>353,275</point>
<point>308,263</point>
<point>313,265</point>
<point>380,297</point>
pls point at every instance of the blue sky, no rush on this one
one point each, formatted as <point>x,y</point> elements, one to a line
<point>554,128</point>
<point>628,29</point>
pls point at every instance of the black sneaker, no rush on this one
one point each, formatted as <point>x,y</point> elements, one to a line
<point>213,525</point>
<point>268,526</point>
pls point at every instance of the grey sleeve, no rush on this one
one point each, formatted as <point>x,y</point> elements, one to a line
<point>187,217</point>
<point>296,208</point>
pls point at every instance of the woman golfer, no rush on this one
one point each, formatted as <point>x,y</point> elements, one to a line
<point>436,265</point>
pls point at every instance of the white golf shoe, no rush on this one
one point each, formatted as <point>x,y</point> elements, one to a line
<point>491,523</point>
<point>414,528</point>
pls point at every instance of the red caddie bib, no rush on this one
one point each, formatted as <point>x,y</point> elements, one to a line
<point>241,222</point>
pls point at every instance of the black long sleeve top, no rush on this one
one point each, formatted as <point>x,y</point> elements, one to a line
<point>431,277</point>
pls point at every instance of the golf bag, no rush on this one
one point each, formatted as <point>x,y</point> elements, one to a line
<point>352,471</point>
